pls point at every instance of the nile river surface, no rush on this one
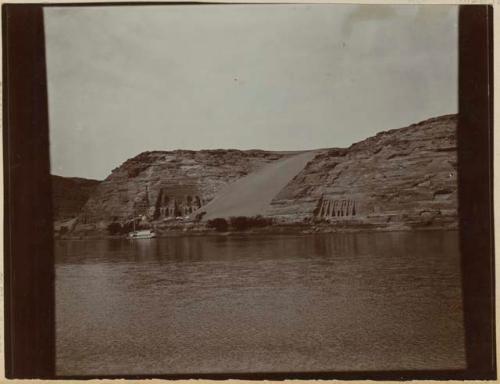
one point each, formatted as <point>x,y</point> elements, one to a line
<point>214,304</point>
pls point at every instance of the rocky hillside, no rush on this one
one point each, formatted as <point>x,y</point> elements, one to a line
<point>400,179</point>
<point>69,195</point>
<point>403,178</point>
<point>172,184</point>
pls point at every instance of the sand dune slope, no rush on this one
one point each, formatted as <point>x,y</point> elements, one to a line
<point>251,195</point>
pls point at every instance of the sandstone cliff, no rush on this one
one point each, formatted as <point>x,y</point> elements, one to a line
<point>400,179</point>
<point>171,184</point>
<point>403,178</point>
<point>69,195</point>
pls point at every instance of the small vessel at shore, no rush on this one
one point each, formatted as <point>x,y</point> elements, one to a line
<point>142,234</point>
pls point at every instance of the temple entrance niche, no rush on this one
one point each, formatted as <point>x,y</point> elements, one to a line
<point>335,208</point>
<point>177,201</point>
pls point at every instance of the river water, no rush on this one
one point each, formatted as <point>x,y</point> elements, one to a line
<point>270,303</point>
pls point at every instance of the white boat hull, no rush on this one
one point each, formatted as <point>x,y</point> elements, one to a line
<point>141,235</point>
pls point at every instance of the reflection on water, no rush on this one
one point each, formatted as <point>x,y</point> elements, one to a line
<point>365,301</point>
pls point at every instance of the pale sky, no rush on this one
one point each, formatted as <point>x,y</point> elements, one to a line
<point>128,79</point>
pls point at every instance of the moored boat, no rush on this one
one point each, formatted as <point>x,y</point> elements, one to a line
<point>142,234</point>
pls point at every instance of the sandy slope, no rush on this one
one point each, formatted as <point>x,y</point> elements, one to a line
<point>252,194</point>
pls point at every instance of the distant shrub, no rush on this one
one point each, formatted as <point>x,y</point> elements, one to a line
<point>259,221</point>
<point>242,223</point>
<point>114,228</point>
<point>199,216</point>
<point>129,227</point>
<point>219,224</point>
<point>239,223</point>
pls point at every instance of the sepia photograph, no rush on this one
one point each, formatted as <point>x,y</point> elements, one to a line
<point>255,189</point>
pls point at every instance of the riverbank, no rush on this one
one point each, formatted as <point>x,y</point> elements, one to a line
<point>282,229</point>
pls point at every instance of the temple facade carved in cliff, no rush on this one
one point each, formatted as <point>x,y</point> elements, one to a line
<point>335,208</point>
<point>177,201</point>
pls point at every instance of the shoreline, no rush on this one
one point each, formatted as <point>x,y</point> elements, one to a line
<point>260,232</point>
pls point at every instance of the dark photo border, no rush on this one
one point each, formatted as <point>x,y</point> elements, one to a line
<point>28,238</point>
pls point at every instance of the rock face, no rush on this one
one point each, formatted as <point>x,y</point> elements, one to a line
<point>69,195</point>
<point>161,184</point>
<point>400,179</point>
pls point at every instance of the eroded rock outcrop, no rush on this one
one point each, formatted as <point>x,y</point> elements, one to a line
<point>400,179</point>
<point>165,184</point>
<point>69,195</point>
